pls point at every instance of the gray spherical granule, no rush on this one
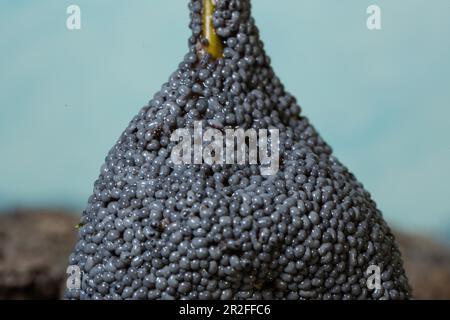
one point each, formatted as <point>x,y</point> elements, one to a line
<point>156,230</point>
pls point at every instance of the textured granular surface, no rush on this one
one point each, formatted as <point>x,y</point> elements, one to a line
<point>155,230</point>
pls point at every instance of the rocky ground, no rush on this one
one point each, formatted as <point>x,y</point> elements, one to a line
<point>427,265</point>
<point>34,246</point>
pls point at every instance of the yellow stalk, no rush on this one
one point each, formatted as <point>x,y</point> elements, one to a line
<point>214,47</point>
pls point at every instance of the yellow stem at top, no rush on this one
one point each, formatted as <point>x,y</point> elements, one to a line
<point>214,47</point>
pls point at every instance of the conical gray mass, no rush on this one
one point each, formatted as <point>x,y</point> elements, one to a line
<point>156,230</point>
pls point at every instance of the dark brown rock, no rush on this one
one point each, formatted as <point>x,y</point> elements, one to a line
<point>427,264</point>
<point>34,246</point>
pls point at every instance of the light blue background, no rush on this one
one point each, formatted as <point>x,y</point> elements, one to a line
<point>380,98</point>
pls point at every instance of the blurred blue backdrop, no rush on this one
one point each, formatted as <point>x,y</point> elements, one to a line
<point>379,98</point>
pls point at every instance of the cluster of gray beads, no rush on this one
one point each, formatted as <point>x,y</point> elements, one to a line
<point>154,230</point>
